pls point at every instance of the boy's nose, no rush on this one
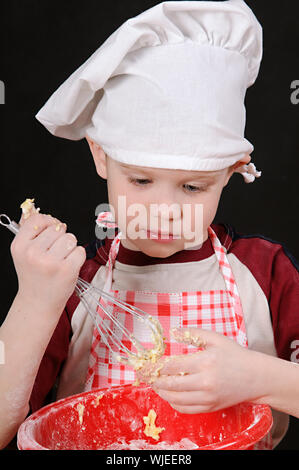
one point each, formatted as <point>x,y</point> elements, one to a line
<point>165,217</point>
<point>167,211</point>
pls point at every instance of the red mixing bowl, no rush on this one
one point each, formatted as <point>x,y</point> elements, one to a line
<point>112,418</point>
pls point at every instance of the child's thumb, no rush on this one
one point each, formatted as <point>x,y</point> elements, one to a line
<point>22,219</point>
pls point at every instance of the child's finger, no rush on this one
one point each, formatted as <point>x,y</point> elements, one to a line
<point>150,371</point>
<point>48,236</point>
<point>21,221</point>
<point>197,337</point>
<point>178,383</point>
<point>193,398</point>
<point>191,410</point>
<point>76,258</point>
<point>63,246</point>
<point>34,225</point>
<point>185,363</point>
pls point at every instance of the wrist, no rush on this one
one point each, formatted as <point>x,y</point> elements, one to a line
<point>260,377</point>
<point>279,383</point>
<point>36,307</point>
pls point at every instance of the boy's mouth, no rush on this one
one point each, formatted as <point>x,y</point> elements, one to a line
<point>162,236</point>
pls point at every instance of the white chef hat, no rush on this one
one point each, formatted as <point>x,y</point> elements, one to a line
<point>167,88</point>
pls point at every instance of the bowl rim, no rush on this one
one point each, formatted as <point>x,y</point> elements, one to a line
<point>26,440</point>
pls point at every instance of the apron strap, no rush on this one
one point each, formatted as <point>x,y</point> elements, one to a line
<point>224,265</point>
<point>231,286</point>
<point>105,219</point>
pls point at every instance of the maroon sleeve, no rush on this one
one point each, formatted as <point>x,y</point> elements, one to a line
<point>277,273</point>
<point>284,305</point>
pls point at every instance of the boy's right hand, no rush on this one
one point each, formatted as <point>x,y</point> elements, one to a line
<point>47,261</point>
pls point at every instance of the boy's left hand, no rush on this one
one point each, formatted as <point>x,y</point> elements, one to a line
<point>221,375</point>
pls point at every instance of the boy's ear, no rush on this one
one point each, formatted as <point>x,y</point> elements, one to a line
<point>245,160</point>
<point>99,157</point>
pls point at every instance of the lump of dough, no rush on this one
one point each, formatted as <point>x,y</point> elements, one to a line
<point>28,208</point>
<point>95,402</point>
<point>80,409</point>
<point>149,372</point>
<point>151,430</point>
<point>187,338</point>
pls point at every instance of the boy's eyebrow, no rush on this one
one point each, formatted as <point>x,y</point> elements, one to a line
<point>191,174</point>
<point>124,165</point>
<point>206,176</point>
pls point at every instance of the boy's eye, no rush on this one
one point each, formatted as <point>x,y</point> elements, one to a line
<point>142,182</point>
<point>193,189</point>
<point>139,181</point>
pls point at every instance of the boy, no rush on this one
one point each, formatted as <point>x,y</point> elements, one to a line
<point>159,141</point>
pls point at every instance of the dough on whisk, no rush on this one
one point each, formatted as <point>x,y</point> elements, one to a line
<point>147,360</point>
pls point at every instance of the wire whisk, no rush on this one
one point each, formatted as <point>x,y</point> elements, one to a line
<point>104,310</point>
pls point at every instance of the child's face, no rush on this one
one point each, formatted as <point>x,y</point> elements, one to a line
<point>195,196</point>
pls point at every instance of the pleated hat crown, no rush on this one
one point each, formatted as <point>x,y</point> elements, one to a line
<point>167,88</point>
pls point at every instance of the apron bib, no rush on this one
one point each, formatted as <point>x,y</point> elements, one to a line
<point>217,310</point>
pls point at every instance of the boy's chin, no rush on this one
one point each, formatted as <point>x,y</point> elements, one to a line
<point>163,251</point>
<point>153,248</point>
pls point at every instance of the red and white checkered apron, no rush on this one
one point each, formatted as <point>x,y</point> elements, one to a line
<point>218,310</point>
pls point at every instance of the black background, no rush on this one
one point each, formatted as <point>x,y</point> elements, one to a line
<point>43,42</point>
